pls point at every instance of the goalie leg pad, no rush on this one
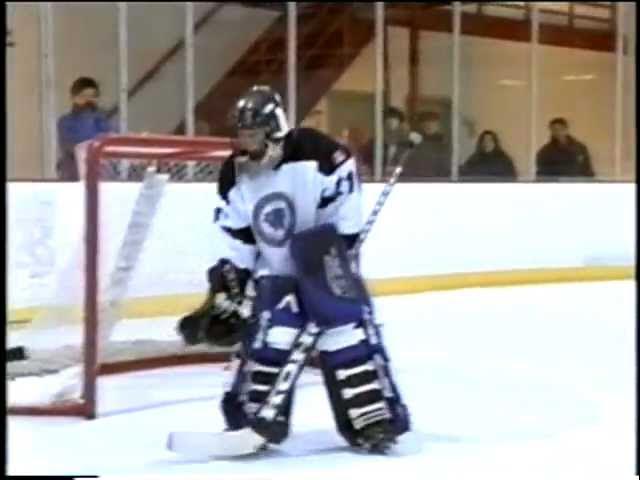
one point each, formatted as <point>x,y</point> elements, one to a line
<point>354,362</point>
<point>331,293</point>
<point>362,391</point>
<point>279,322</point>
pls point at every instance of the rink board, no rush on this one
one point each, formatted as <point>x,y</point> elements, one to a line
<point>174,305</point>
<point>428,237</point>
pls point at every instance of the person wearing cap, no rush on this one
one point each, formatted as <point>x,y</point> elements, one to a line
<point>397,141</point>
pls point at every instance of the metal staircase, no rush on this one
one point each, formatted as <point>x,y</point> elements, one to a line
<point>330,37</point>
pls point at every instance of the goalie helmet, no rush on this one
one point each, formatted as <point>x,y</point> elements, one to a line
<point>261,107</point>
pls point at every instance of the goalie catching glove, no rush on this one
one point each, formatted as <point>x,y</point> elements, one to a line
<point>222,317</point>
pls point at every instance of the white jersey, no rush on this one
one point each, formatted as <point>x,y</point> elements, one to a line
<point>311,180</point>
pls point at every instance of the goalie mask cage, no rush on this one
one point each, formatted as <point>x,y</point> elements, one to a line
<point>152,162</point>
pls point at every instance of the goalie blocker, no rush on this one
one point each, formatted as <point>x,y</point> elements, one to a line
<point>327,307</point>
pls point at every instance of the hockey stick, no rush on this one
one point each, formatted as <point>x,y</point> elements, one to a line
<point>248,440</point>
<point>382,199</point>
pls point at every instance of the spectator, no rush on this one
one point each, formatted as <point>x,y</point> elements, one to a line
<point>354,139</point>
<point>397,140</point>
<point>432,156</point>
<point>489,160</point>
<point>84,122</point>
<point>563,155</point>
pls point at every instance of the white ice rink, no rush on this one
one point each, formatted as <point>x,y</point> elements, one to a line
<point>524,382</point>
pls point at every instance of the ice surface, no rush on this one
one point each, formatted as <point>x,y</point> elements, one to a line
<point>524,382</point>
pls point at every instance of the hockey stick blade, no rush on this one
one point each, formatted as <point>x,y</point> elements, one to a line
<point>213,445</point>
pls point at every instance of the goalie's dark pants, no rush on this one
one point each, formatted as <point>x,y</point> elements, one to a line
<point>353,360</point>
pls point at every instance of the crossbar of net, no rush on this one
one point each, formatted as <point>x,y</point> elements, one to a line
<point>199,161</point>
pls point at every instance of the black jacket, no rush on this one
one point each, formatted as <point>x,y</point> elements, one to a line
<point>392,153</point>
<point>564,160</point>
<point>487,165</point>
<point>431,158</point>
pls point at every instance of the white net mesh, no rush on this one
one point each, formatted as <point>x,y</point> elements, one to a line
<point>47,254</point>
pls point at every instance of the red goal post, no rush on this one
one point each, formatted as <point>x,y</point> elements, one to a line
<point>164,152</point>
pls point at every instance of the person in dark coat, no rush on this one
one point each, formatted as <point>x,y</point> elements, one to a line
<point>397,140</point>
<point>563,155</point>
<point>84,122</point>
<point>489,161</point>
<point>431,158</point>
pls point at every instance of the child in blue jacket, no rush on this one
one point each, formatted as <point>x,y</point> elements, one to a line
<point>84,122</point>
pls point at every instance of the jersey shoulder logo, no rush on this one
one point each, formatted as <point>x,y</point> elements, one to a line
<point>274,219</point>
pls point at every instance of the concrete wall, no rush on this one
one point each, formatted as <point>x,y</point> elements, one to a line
<point>24,113</point>
<point>217,46</point>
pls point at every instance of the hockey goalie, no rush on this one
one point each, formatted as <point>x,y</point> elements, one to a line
<point>287,285</point>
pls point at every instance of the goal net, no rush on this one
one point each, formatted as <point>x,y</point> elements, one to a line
<point>99,274</point>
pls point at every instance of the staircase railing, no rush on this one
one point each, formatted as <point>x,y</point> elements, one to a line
<point>166,58</point>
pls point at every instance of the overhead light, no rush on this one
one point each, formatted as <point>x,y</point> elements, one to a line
<point>578,77</point>
<point>511,83</point>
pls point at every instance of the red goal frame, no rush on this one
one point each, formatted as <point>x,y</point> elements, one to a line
<point>159,148</point>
